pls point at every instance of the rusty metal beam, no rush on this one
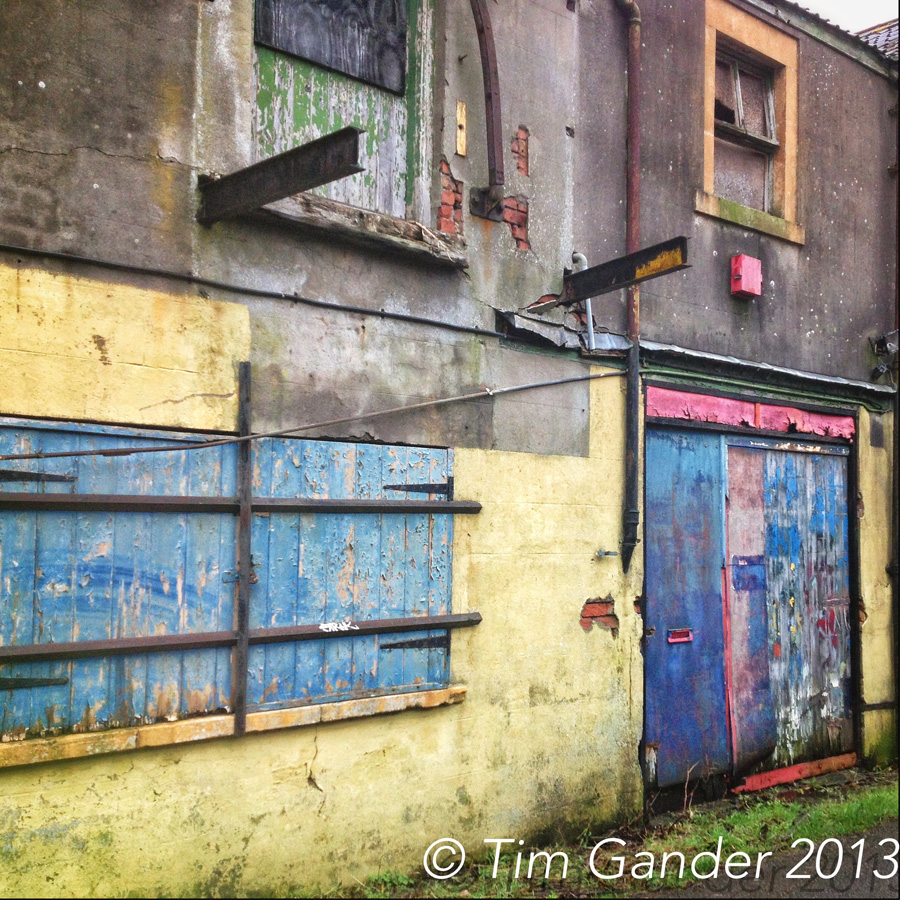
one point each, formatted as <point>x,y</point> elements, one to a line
<point>651,262</point>
<point>347,629</point>
<point>310,165</point>
<point>156,643</point>
<point>16,500</point>
<point>22,653</point>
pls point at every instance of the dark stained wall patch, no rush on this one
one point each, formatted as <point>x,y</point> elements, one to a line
<point>362,38</point>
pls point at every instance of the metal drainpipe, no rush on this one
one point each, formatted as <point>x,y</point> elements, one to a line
<point>493,196</point>
<point>631,513</point>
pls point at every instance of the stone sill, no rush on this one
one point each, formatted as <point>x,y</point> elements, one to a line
<point>746,217</point>
<point>202,728</point>
<point>370,229</point>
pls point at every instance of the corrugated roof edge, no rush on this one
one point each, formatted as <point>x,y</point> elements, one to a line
<point>807,21</point>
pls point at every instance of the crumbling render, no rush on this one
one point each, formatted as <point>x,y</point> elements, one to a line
<point>601,611</point>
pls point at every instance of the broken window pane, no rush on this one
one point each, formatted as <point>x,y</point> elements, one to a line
<point>741,174</point>
<point>725,104</point>
<point>753,100</point>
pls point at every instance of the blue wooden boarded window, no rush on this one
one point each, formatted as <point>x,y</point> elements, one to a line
<point>78,576</point>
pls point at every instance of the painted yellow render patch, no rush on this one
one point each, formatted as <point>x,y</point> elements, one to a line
<point>876,631</point>
<point>546,738</point>
<point>75,348</point>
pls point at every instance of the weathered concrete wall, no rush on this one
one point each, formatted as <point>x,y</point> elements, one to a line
<point>77,348</point>
<point>821,300</point>
<point>97,100</point>
<point>267,811</point>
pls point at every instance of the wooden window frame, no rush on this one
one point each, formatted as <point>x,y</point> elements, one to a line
<point>760,47</point>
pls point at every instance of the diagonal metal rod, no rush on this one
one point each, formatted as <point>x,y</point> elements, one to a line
<point>221,442</point>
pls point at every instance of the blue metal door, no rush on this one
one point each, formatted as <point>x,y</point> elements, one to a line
<point>686,735</point>
<point>747,621</point>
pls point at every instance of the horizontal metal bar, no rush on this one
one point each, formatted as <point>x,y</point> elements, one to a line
<point>116,503</point>
<point>116,646</point>
<point>15,684</point>
<point>17,475</point>
<point>302,168</point>
<point>371,626</point>
<point>209,639</point>
<point>276,504</point>
<point>138,503</point>
<point>874,707</point>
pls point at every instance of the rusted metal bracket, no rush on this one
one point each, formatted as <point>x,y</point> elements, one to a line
<point>488,202</point>
<point>310,165</point>
<point>651,262</point>
<point>441,487</point>
<point>16,475</point>
<point>441,642</point>
<point>15,684</point>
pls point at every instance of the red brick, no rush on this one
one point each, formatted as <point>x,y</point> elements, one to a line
<point>586,624</point>
<point>523,245</point>
<point>522,134</point>
<point>522,165</point>
<point>515,217</point>
<point>445,168</point>
<point>519,233</point>
<point>597,608</point>
<point>457,215</point>
<point>445,212</point>
<point>448,197</point>
<point>611,622</point>
<point>446,226</point>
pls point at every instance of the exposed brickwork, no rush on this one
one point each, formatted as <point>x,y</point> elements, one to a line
<point>450,216</point>
<point>515,214</point>
<point>520,150</point>
<point>601,611</point>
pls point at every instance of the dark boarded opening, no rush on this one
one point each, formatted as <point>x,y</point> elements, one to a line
<point>362,38</point>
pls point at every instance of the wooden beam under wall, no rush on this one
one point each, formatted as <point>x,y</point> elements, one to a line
<point>302,168</point>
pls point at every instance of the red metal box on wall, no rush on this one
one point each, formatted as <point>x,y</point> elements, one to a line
<point>746,276</point>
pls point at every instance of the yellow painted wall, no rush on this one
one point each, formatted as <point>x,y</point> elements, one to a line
<point>546,738</point>
<point>879,672</point>
<point>74,348</point>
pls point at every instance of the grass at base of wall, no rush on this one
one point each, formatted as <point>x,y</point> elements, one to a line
<point>767,822</point>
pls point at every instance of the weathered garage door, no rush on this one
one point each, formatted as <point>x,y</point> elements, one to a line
<point>85,573</point>
<point>748,639</point>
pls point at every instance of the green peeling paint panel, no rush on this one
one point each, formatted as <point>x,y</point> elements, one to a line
<point>298,101</point>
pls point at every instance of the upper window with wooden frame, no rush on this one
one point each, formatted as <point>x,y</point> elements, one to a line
<point>746,132</point>
<point>322,65</point>
<point>750,123</point>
